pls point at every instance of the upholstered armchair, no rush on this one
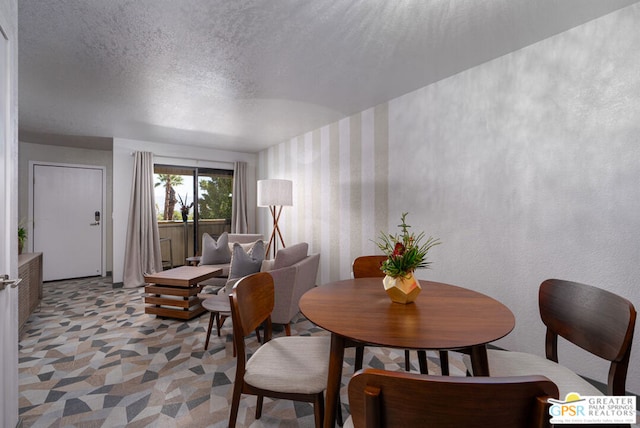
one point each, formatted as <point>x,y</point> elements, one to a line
<point>294,272</point>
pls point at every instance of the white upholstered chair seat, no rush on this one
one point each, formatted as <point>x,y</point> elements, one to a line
<point>297,364</point>
<point>507,363</point>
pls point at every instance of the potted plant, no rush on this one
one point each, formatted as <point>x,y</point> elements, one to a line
<point>405,253</point>
<point>184,208</point>
<point>22,237</point>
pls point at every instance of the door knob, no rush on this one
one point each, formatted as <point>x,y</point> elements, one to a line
<point>4,281</point>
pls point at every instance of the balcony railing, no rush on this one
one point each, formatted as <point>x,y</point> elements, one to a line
<point>178,231</point>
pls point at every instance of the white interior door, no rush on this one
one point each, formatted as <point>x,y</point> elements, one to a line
<point>68,220</point>
<point>5,248</point>
<point>8,244</point>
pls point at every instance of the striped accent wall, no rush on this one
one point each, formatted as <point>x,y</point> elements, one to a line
<point>340,190</point>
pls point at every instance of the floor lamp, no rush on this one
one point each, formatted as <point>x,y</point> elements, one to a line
<point>275,194</point>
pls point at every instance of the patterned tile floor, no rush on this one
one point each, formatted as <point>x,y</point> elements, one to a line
<point>91,357</point>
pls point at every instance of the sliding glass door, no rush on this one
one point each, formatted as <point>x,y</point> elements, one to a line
<point>214,187</point>
<point>182,217</point>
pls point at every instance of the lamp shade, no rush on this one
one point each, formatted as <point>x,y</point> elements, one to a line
<point>274,192</point>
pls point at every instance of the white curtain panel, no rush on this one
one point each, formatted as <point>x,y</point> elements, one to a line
<point>239,200</point>
<point>142,252</point>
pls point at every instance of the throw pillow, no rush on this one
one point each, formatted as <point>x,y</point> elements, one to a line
<point>215,253</point>
<point>245,263</point>
<point>290,255</point>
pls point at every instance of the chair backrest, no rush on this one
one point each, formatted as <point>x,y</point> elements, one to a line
<point>594,319</point>
<point>380,398</point>
<point>291,283</point>
<point>368,266</point>
<point>251,303</point>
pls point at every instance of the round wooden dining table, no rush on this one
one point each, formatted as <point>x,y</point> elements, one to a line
<point>443,317</point>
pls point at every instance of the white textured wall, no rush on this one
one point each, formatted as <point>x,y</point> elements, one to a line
<point>169,154</point>
<point>527,167</point>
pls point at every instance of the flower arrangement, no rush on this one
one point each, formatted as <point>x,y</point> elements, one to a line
<point>405,252</point>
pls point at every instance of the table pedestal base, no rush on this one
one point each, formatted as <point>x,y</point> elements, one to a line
<point>173,302</point>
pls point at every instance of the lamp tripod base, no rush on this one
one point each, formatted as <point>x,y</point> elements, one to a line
<point>273,240</point>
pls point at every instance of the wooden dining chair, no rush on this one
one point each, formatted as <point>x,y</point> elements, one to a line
<point>593,319</point>
<point>289,367</point>
<point>219,309</point>
<point>369,267</point>
<point>379,398</point>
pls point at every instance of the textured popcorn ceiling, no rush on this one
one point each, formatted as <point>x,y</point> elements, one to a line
<point>247,74</point>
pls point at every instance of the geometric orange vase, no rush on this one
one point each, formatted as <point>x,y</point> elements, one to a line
<point>402,289</point>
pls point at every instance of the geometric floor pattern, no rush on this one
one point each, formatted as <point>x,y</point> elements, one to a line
<point>90,357</point>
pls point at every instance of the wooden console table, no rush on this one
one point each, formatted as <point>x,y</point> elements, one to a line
<point>30,289</point>
<point>173,293</point>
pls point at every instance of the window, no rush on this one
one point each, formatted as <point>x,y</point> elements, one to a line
<point>214,194</point>
<point>210,212</point>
